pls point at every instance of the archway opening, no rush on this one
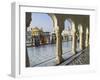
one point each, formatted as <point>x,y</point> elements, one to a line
<point>67,36</point>
<point>41,40</point>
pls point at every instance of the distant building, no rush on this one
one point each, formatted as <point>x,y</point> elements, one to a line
<point>40,37</point>
<point>66,34</point>
<point>36,35</point>
<point>53,38</point>
<point>46,37</point>
<point>36,31</point>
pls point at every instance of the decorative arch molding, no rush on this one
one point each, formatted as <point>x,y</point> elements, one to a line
<point>54,19</point>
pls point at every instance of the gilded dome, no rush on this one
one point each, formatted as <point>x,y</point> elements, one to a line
<point>36,29</point>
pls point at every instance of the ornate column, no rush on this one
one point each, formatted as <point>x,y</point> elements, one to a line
<point>58,45</point>
<point>28,21</point>
<point>81,36</point>
<point>87,38</point>
<point>73,38</point>
<point>58,38</point>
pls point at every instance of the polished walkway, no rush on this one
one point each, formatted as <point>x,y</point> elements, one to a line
<point>45,55</point>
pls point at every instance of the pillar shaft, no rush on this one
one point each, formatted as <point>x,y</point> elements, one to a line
<point>58,47</point>
<point>81,37</point>
<point>81,41</point>
<point>73,38</point>
<point>87,38</point>
<point>74,42</point>
<point>27,59</point>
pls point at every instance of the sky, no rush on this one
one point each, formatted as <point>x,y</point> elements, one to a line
<point>42,20</point>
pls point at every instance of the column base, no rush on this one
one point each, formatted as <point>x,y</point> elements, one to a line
<point>59,60</point>
<point>74,52</point>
